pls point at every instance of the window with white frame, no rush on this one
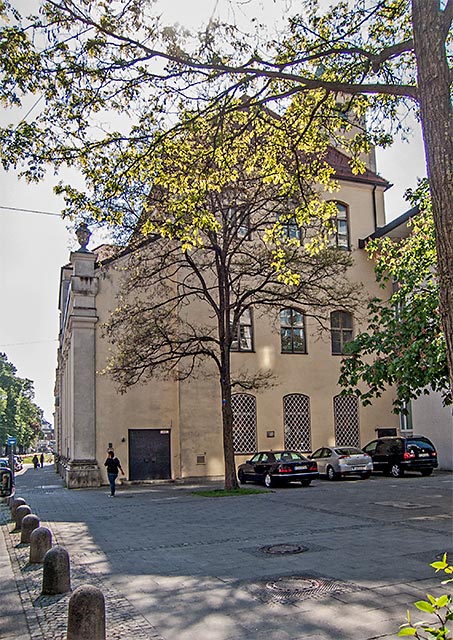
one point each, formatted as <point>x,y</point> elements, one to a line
<point>243,406</point>
<point>341,230</point>
<point>243,340</point>
<point>239,219</point>
<point>292,331</point>
<point>406,417</point>
<point>341,331</point>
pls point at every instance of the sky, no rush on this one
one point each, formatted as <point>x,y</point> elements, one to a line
<point>34,246</point>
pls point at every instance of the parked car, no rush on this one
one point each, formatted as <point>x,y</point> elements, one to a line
<point>336,462</point>
<point>18,466</point>
<point>273,467</point>
<point>4,462</point>
<point>395,455</point>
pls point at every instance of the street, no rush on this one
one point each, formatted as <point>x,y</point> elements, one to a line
<point>336,560</point>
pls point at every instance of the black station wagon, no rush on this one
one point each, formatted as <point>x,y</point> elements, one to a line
<point>394,455</point>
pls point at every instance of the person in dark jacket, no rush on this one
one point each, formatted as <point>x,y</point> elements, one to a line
<point>113,464</point>
<point>35,461</point>
<point>41,460</point>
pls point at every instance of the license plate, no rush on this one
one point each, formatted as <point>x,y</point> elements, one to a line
<point>300,467</point>
<point>423,455</point>
<point>357,468</point>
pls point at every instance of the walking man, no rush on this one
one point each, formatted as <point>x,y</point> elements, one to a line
<point>113,464</point>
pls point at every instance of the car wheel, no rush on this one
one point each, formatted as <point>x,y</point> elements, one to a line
<point>241,477</point>
<point>306,482</point>
<point>366,475</point>
<point>331,474</point>
<point>396,471</point>
<point>426,472</point>
<point>269,480</point>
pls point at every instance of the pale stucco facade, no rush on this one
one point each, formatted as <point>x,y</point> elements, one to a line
<point>92,416</point>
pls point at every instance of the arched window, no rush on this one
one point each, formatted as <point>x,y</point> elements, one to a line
<point>292,331</point>
<point>346,417</point>
<point>297,423</point>
<point>243,406</point>
<point>340,331</point>
<point>341,228</point>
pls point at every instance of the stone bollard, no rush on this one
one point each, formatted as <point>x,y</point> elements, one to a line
<point>40,543</point>
<point>21,511</point>
<point>56,572</point>
<point>17,502</point>
<point>29,524</point>
<point>86,614</point>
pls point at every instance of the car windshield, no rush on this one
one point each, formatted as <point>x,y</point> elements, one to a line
<point>348,451</point>
<point>287,456</point>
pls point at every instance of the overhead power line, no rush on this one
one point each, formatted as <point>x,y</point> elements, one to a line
<point>43,213</point>
<point>19,344</point>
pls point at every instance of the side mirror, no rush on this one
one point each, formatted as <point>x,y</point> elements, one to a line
<point>6,483</point>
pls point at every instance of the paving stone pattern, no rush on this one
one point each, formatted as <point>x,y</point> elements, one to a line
<point>47,615</point>
<point>173,565</point>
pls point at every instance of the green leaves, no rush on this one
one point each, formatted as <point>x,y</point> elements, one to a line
<point>404,344</point>
<point>439,608</point>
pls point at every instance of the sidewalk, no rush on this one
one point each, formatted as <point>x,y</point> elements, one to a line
<point>333,561</point>
<point>13,624</point>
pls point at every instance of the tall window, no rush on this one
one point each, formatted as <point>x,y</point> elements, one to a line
<point>243,340</point>
<point>346,416</point>
<point>291,229</point>
<point>342,227</point>
<point>296,419</point>
<point>406,418</point>
<point>240,220</point>
<point>292,331</point>
<point>243,406</point>
<point>340,331</point>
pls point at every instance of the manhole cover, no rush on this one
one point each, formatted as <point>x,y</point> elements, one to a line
<point>283,549</point>
<point>403,505</point>
<point>294,584</point>
<point>291,589</point>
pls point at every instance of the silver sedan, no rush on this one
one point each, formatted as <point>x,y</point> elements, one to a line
<point>336,462</point>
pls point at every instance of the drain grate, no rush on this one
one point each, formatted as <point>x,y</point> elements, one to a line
<point>291,589</point>
<point>285,549</point>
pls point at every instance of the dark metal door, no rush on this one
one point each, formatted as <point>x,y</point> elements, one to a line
<point>149,454</point>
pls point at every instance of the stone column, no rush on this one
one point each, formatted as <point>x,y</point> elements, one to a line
<point>78,343</point>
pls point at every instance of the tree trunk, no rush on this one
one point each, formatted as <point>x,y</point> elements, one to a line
<point>225,372</point>
<point>429,28</point>
<point>227,424</point>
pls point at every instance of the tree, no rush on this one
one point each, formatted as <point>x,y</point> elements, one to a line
<point>19,415</point>
<point>228,237</point>
<point>117,56</point>
<point>404,345</point>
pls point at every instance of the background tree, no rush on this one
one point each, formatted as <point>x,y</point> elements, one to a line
<point>404,345</point>
<point>234,239</point>
<point>19,415</point>
<point>118,57</point>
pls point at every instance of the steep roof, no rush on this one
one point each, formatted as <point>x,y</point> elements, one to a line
<point>340,162</point>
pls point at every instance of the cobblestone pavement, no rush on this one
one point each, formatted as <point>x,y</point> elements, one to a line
<point>335,561</point>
